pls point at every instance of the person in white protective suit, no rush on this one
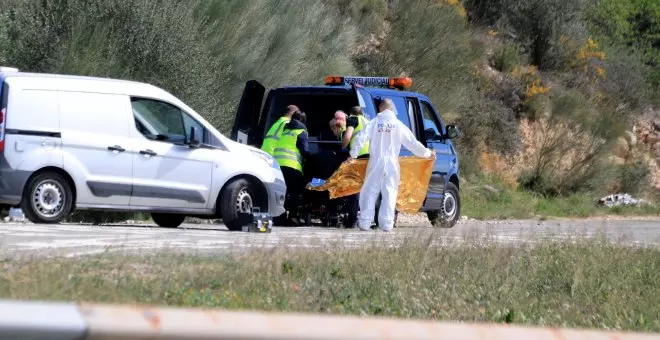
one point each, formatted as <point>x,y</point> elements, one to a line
<point>386,135</point>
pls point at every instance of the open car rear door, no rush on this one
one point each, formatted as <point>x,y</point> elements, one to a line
<point>247,115</point>
<point>365,101</point>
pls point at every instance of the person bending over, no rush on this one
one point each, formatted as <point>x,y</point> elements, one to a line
<point>290,153</point>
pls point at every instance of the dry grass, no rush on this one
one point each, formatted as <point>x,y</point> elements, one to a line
<point>573,284</point>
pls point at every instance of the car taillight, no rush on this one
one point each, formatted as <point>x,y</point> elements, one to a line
<point>3,116</point>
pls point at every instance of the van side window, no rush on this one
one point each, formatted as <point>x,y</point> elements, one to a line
<point>401,110</point>
<point>189,122</point>
<point>430,120</point>
<point>158,120</point>
<point>411,116</point>
<point>163,121</point>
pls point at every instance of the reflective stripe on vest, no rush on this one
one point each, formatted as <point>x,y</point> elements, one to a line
<point>362,122</point>
<point>273,135</point>
<point>286,153</point>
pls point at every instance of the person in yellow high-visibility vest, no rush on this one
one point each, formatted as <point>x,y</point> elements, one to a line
<point>290,152</point>
<point>354,124</point>
<point>275,131</point>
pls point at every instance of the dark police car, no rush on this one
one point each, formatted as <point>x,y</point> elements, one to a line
<point>442,204</point>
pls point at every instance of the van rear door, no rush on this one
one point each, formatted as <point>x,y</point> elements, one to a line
<point>4,95</point>
<point>246,122</point>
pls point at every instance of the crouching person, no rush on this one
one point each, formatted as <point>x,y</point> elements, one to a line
<point>290,152</point>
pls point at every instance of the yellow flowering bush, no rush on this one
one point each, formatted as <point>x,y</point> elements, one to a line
<point>587,57</point>
<point>536,88</point>
<point>530,77</point>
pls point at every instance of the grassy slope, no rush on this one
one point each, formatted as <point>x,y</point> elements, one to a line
<point>558,284</point>
<point>483,204</point>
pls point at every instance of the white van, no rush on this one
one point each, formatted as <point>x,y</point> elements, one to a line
<point>71,142</point>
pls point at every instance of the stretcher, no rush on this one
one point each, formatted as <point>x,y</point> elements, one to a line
<point>414,181</point>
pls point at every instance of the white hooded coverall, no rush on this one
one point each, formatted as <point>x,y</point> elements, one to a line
<point>386,134</point>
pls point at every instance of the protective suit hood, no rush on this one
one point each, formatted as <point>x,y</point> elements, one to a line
<point>386,115</point>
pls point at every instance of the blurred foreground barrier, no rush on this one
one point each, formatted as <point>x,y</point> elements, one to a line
<point>68,321</point>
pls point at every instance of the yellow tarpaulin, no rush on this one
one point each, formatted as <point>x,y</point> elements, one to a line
<point>415,177</point>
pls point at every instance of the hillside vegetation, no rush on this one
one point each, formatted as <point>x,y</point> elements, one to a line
<point>545,92</point>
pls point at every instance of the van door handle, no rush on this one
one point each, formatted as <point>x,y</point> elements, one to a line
<point>116,148</point>
<point>147,152</point>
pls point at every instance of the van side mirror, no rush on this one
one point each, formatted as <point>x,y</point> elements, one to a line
<point>193,141</point>
<point>429,134</point>
<point>452,132</point>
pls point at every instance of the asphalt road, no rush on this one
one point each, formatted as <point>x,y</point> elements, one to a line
<point>19,240</point>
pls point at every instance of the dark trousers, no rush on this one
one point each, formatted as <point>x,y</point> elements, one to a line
<point>295,184</point>
<point>353,203</point>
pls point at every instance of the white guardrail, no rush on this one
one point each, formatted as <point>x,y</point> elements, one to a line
<point>21,320</point>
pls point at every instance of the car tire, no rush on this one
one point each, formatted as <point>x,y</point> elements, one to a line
<point>450,210</point>
<point>47,198</point>
<point>236,199</point>
<point>168,220</point>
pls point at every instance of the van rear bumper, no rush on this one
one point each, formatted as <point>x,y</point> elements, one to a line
<point>276,194</point>
<point>12,183</point>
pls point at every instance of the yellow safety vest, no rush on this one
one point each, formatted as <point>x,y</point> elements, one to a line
<point>287,153</point>
<point>362,122</point>
<point>273,135</point>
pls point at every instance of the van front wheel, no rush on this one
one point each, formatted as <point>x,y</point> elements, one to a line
<point>451,209</point>
<point>48,198</point>
<point>236,203</point>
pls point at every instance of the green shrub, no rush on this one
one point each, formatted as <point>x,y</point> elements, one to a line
<point>626,79</point>
<point>430,42</point>
<point>484,12</point>
<point>634,177</point>
<point>535,108</point>
<point>538,25</point>
<point>367,14</point>
<point>572,148</point>
<point>483,119</point>
<point>138,40</point>
<point>506,57</point>
<point>278,42</point>
<point>634,24</point>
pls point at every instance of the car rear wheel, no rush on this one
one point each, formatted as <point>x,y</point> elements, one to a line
<point>167,220</point>
<point>450,210</point>
<point>236,203</point>
<point>48,198</point>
